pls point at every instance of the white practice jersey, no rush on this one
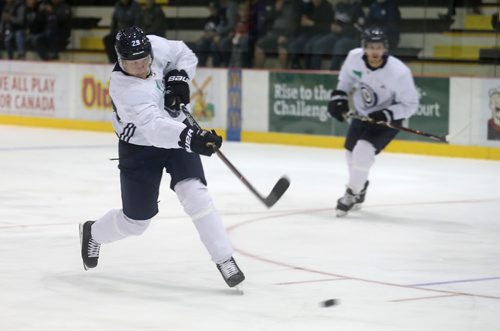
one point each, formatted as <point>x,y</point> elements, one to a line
<point>389,87</point>
<point>139,117</point>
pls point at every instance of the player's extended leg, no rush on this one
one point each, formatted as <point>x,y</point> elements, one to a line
<point>197,203</point>
<point>140,182</point>
<point>359,161</point>
<point>113,226</point>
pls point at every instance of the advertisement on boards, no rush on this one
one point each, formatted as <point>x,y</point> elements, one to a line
<point>298,104</point>
<point>208,92</point>
<point>234,95</point>
<point>433,111</point>
<point>92,100</point>
<point>490,110</point>
<point>33,90</point>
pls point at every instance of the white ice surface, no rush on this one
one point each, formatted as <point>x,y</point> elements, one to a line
<point>428,221</point>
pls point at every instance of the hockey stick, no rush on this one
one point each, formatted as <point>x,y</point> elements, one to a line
<point>397,127</point>
<point>279,188</point>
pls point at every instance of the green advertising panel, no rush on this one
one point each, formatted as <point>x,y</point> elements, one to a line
<point>432,115</point>
<point>298,104</point>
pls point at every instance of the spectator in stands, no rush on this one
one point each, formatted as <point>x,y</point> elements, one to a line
<point>222,41</point>
<point>13,21</point>
<point>45,40</point>
<point>3,28</point>
<point>203,47</point>
<point>495,23</point>
<point>452,4</point>
<point>386,15</point>
<point>35,26</point>
<point>125,14</point>
<point>281,19</point>
<point>315,18</point>
<point>54,21</point>
<point>450,14</point>
<point>152,19</point>
<point>345,35</point>
<point>257,27</point>
<point>62,29</point>
<point>240,36</point>
<point>216,41</point>
<point>92,2</point>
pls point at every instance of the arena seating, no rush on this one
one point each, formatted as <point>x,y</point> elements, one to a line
<point>426,41</point>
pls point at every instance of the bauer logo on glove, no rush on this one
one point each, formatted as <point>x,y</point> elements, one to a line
<point>176,89</point>
<point>199,141</point>
<point>177,78</point>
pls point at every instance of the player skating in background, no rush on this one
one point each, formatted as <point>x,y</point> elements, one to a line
<point>382,89</point>
<point>148,85</point>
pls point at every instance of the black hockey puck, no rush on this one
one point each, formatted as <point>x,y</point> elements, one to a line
<point>330,303</point>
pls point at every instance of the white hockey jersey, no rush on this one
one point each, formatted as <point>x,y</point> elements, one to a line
<point>388,87</point>
<point>139,117</point>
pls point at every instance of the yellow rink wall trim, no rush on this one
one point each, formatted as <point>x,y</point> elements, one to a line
<point>397,146</point>
<point>56,123</point>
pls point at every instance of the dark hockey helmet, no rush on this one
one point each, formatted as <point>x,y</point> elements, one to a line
<point>374,35</point>
<point>132,44</point>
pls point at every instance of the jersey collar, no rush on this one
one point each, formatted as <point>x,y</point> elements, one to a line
<point>118,68</point>
<point>384,62</point>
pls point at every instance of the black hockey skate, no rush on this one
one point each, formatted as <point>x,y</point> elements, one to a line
<point>90,248</point>
<point>231,272</point>
<point>351,201</point>
<point>361,197</point>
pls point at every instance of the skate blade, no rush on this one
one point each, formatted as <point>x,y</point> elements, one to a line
<point>81,239</point>
<point>239,289</point>
<point>356,207</point>
<point>340,213</point>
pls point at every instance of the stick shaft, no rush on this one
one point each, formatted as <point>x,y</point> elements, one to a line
<point>277,191</point>
<point>238,174</point>
<point>401,128</point>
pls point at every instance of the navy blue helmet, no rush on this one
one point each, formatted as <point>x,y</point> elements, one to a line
<point>374,35</point>
<point>132,44</point>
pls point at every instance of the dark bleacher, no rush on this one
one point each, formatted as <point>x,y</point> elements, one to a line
<point>434,25</point>
<point>407,26</point>
<point>108,3</point>
<point>185,23</point>
<point>406,53</point>
<point>187,3</point>
<point>92,2</point>
<point>422,3</point>
<point>84,23</point>
<point>489,56</point>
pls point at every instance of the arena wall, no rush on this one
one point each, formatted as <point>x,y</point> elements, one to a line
<point>280,107</point>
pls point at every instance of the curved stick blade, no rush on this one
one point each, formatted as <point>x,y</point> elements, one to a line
<point>278,190</point>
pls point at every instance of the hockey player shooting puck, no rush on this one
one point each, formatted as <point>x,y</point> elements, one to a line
<point>329,303</point>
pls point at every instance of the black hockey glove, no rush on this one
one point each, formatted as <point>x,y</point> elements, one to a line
<point>176,89</point>
<point>199,141</point>
<point>384,115</point>
<point>338,105</point>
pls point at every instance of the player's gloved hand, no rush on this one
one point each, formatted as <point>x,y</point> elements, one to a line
<point>199,141</point>
<point>338,105</point>
<point>384,115</point>
<point>176,89</point>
